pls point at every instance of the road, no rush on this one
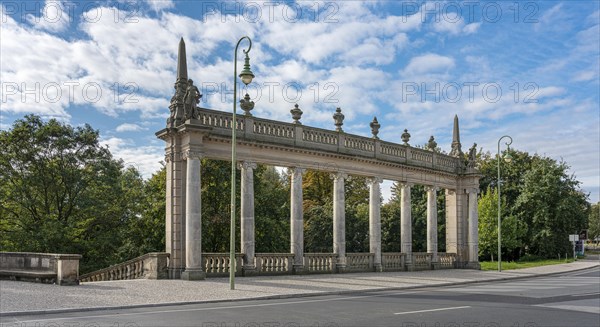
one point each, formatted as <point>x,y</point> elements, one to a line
<point>571,299</point>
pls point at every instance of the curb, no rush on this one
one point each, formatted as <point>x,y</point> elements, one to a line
<point>282,296</point>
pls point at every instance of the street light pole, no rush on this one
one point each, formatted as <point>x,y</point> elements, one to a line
<point>246,76</point>
<point>507,158</point>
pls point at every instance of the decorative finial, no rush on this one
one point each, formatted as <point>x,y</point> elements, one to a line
<point>431,144</point>
<point>456,146</point>
<point>338,118</point>
<point>296,114</point>
<point>176,108</point>
<point>247,105</point>
<point>405,137</point>
<point>375,128</point>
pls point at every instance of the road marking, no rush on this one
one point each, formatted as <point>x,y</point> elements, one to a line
<point>586,294</point>
<point>431,310</point>
<point>216,308</point>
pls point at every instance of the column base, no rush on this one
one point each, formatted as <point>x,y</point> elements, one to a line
<point>340,269</point>
<point>409,267</point>
<point>298,270</point>
<point>473,265</point>
<point>193,274</point>
<point>377,267</point>
<point>175,273</point>
<point>435,266</point>
<point>249,271</point>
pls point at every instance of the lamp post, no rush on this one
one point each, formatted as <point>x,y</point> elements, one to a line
<point>246,76</point>
<point>507,158</point>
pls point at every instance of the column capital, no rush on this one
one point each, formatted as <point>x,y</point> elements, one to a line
<point>374,180</point>
<point>191,154</point>
<point>450,191</point>
<point>431,188</point>
<point>338,175</point>
<point>405,184</point>
<point>297,170</point>
<point>246,165</point>
<point>173,156</point>
<point>473,190</point>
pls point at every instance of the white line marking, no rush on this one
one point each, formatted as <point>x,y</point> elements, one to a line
<point>586,294</point>
<point>215,308</point>
<point>431,310</point>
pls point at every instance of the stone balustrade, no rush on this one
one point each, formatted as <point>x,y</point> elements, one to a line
<point>274,263</point>
<point>320,262</point>
<point>360,261</point>
<point>218,264</point>
<point>421,261</point>
<point>148,266</point>
<point>282,133</point>
<point>393,261</point>
<point>62,269</point>
<point>447,260</point>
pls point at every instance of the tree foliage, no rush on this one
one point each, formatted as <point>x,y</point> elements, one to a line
<point>61,191</point>
<point>542,203</point>
<point>594,222</point>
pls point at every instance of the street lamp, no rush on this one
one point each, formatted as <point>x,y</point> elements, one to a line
<point>246,76</point>
<point>508,159</point>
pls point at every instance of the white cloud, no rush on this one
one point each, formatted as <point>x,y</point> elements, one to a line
<point>127,127</point>
<point>429,62</point>
<point>160,5</point>
<point>53,17</point>
<point>145,158</point>
<point>471,28</point>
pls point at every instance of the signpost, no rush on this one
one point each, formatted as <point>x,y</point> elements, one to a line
<point>574,238</point>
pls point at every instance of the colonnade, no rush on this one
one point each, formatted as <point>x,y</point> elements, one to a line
<point>193,225</point>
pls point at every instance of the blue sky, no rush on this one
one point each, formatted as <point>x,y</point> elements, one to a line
<point>527,69</point>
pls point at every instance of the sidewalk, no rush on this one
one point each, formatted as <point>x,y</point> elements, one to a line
<point>18,298</point>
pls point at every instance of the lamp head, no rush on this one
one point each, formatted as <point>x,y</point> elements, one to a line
<point>507,157</point>
<point>246,75</point>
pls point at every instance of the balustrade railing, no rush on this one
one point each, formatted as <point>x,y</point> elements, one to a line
<point>218,264</point>
<point>150,266</point>
<point>421,260</point>
<point>447,260</point>
<point>274,263</point>
<point>320,262</point>
<point>360,261</point>
<point>319,136</point>
<point>422,156</point>
<point>393,261</point>
<point>322,139</point>
<point>363,144</point>
<point>274,129</point>
<point>393,150</point>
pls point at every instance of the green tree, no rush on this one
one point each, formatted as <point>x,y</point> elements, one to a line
<point>594,222</point>
<point>61,191</point>
<point>552,206</point>
<point>146,232</point>
<point>513,229</point>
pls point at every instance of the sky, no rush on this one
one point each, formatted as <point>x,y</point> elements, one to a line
<point>528,69</point>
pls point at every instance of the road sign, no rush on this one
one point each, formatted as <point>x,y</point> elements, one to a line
<point>583,235</point>
<point>574,237</point>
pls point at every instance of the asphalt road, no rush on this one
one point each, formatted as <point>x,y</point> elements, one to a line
<point>572,299</point>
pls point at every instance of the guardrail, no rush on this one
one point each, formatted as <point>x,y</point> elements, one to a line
<point>148,266</point>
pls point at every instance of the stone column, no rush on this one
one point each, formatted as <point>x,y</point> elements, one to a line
<point>297,221</point>
<point>406,223</point>
<point>375,221</point>
<point>432,221</point>
<point>339,220</point>
<point>193,222</point>
<point>247,216</point>
<point>473,241</point>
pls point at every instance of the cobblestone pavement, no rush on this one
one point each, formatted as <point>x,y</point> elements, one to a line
<point>20,297</point>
